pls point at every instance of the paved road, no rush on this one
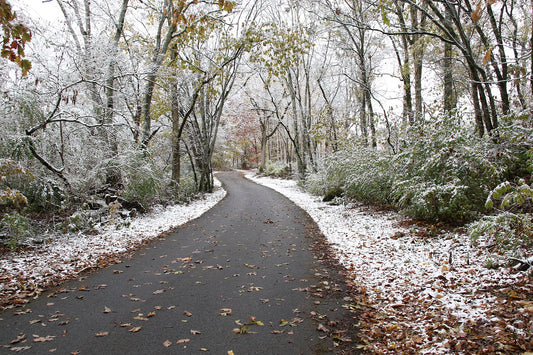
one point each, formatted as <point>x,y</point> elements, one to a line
<point>249,265</point>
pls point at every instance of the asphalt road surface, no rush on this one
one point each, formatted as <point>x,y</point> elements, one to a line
<point>248,277</point>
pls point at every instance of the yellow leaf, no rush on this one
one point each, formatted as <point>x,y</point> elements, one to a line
<point>135,329</point>
<point>230,352</point>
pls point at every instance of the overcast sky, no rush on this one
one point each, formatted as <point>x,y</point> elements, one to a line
<point>45,9</point>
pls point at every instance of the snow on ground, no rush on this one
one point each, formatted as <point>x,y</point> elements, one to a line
<point>418,284</point>
<point>67,255</point>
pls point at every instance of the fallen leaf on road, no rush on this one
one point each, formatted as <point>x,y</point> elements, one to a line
<point>230,352</point>
<point>107,310</point>
<point>158,292</point>
<point>18,339</point>
<point>187,313</point>
<point>20,348</point>
<point>101,334</point>
<point>24,311</point>
<point>182,341</point>
<point>39,339</point>
<point>225,311</point>
<point>125,325</point>
<point>167,343</point>
<point>134,330</point>
<point>322,328</point>
<point>195,332</point>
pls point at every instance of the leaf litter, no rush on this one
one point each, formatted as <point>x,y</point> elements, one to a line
<point>417,293</point>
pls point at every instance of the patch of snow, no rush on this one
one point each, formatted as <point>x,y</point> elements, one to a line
<point>67,255</point>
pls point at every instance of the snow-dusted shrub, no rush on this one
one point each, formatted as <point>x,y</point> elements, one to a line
<point>80,221</point>
<point>44,195</point>
<point>276,169</point>
<point>15,228</point>
<point>430,201</point>
<point>444,172</point>
<point>184,191</point>
<point>507,234</point>
<point>143,181</point>
<point>364,174</point>
<point>509,196</point>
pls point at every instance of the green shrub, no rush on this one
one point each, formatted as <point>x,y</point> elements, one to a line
<point>507,233</point>
<point>143,181</point>
<point>44,195</point>
<point>80,221</point>
<point>361,173</point>
<point>444,172</point>
<point>15,228</point>
<point>276,169</point>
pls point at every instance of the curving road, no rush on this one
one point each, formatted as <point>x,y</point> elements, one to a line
<point>248,277</point>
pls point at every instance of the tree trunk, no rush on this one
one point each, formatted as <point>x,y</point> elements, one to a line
<point>450,101</point>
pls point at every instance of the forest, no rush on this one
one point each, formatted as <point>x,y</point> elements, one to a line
<point>424,107</point>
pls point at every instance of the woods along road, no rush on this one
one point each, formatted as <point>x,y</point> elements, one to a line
<point>251,276</point>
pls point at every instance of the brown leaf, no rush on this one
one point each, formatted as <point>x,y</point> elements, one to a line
<point>18,339</point>
<point>195,332</point>
<point>18,349</point>
<point>187,313</point>
<point>158,292</point>
<point>182,341</point>
<point>101,334</point>
<point>21,312</point>
<point>43,339</point>
<point>107,310</point>
<point>322,328</point>
<point>134,329</point>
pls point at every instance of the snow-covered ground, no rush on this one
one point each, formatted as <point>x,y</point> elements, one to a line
<point>427,292</point>
<point>23,273</point>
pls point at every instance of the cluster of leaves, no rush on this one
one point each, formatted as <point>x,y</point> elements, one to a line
<point>11,171</point>
<point>15,36</point>
<point>277,47</point>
